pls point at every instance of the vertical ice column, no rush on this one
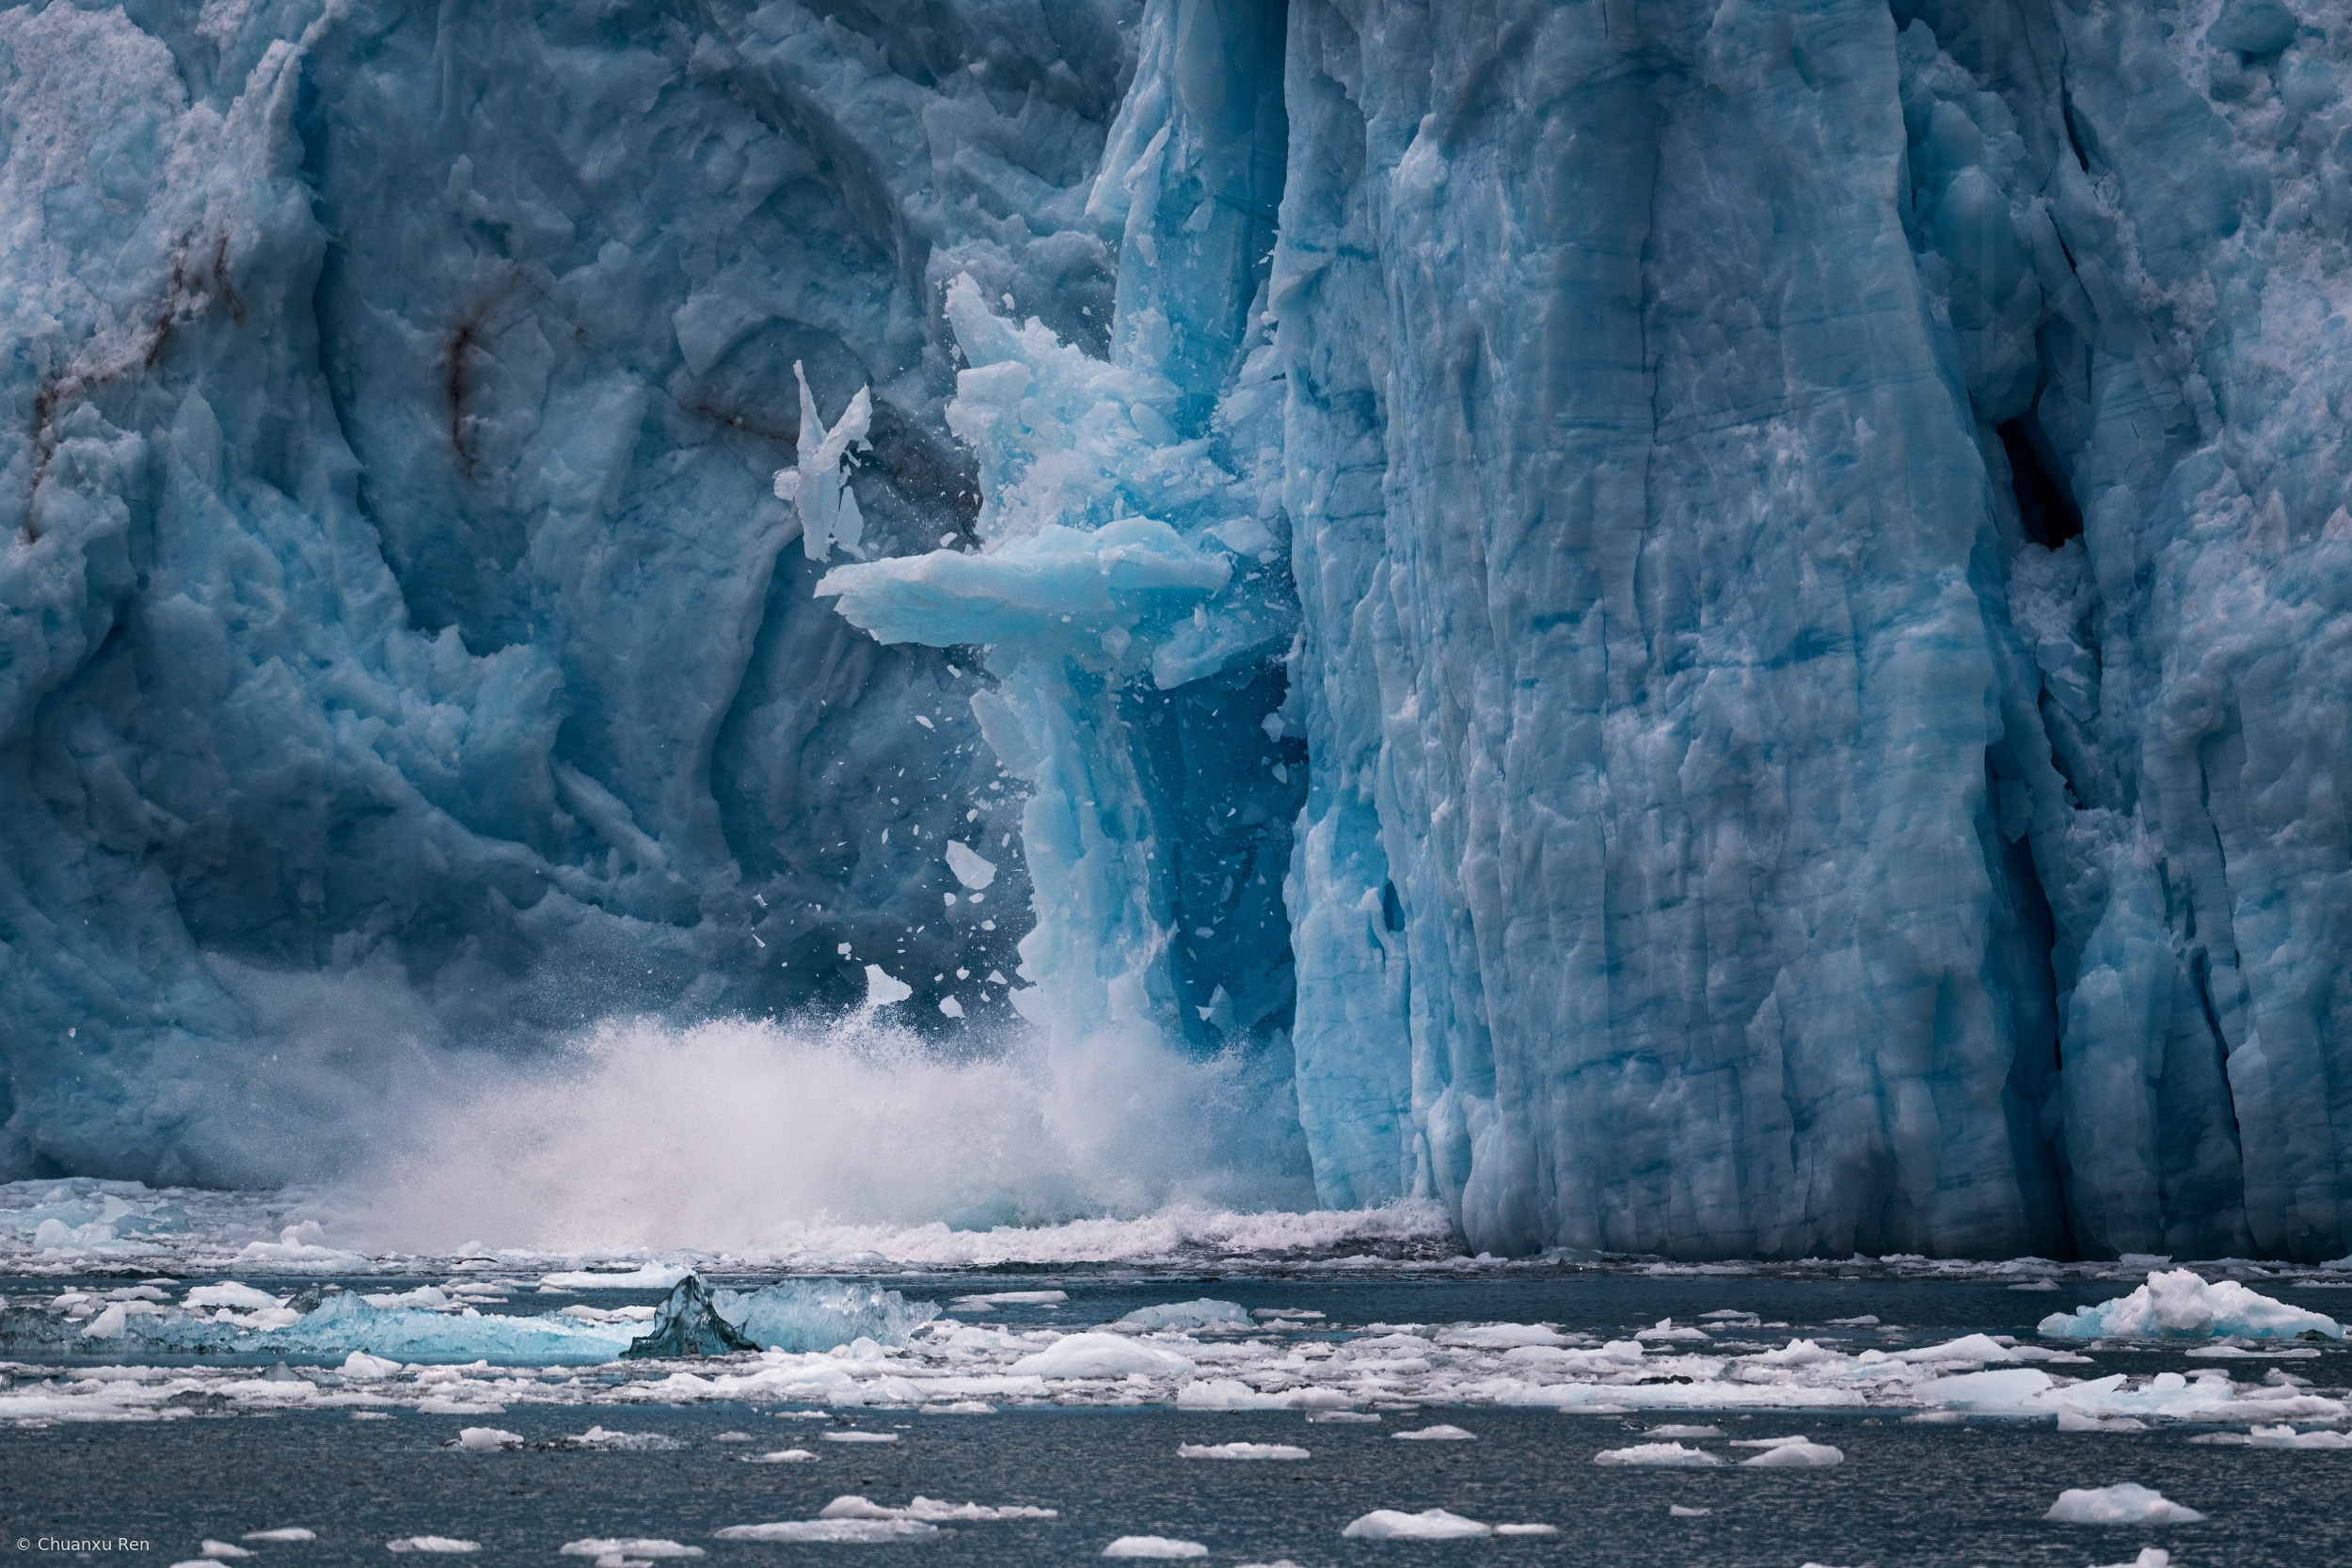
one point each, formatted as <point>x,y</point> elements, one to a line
<point>1131,582</point>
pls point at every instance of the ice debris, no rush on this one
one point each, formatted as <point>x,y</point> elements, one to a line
<point>2180,1304</point>
<point>1240,1451</point>
<point>1671,1456</point>
<point>688,1324</point>
<point>288,1534</point>
<point>1203,1313</point>
<point>1430,1523</point>
<point>1154,1547</point>
<point>932,1511</point>
<point>1439,1433</point>
<point>836,1531</point>
<point>2125,1503</point>
<point>448,1545</point>
<point>1101,1355</point>
<point>487,1438</point>
<point>646,1549</point>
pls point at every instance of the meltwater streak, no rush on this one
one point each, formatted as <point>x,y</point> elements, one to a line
<point>757,1138</point>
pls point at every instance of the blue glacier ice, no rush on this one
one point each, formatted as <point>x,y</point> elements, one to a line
<point>1703,627</point>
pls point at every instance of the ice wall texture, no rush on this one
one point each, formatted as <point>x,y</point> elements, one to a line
<point>1821,554</point>
<point>401,641</point>
<point>1766,577</point>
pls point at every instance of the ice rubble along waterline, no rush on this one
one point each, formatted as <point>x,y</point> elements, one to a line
<point>1712,632</point>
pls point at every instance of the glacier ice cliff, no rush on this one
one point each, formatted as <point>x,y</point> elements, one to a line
<point>1711,627</point>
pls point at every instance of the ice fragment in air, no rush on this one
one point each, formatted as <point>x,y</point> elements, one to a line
<point>881,988</point>
<point>970,869</point>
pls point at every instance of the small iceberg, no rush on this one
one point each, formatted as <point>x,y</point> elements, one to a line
<point>2179,1305</point>
<point>1430,1523</point>
<point>688,1323</point>
<point>2128,1504</point>
<point>1203,1313</point>
<point>1153,1545</point>
<point>1665,1456</point>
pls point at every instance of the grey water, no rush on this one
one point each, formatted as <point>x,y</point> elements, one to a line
<point>1967,1492</point>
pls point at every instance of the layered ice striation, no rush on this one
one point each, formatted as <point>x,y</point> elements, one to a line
<point>1689,627</point>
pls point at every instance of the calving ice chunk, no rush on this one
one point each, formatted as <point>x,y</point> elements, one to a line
<point>818,485</point>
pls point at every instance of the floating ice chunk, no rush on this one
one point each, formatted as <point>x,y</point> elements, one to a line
<point>1675,1510</point>
<point>1665,1330</point>
<point>1101,1355</point>
<point>1240,1451</point>
<point>221,1551</point>
<point>1973,1347</point>
<point>1336,1418</point>
<point>1527,1530</point>
<point>290,1534</point>
<point>961,1407</point>
<point>859,1436</point>
<point>783,1456</point>
<point>733,1437</point>
<point>2072,1419</point>
<point>647,1276</point>
<point>300,1247</point>
<point>2127,1503</point>
<point>805,1315</point>
<point>1435,1435</point>
<point>1203,1313</point>
<point>950,1006</point>
<point>1795,1454</point>
<point>1670,1456</point>
<point>689,1324</point>
<point>446,1543</point>
<point>2035,1284</point>
<point>1008,1298</point>
<point>1153,1545</point>
<point>642,1549</point>
<point>2287,1438</point>
<point>1502,1336</point>
<point>109,1324</point>
<point>1866,1320</point>
<point>2179,1305</point>
<point>839,1530</point>
<point>969,868</point>
<point>1430,1523</point>
<point>2150,1556</point>
<point>359,1364</point>
<point>1283,1314</point>
<point>487,1438</point>
<point>430,1297</point>
<point>622,1442</point>
<point>228,1292</point>
<point>1685,1432</point>
<point>930,1510</point>
<point>883,989</point>
<point>1227,1393</point>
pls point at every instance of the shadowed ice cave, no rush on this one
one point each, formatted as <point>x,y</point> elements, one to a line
<point>1697,628</point>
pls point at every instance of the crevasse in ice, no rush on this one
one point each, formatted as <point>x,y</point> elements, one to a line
<point>1710,628</point>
